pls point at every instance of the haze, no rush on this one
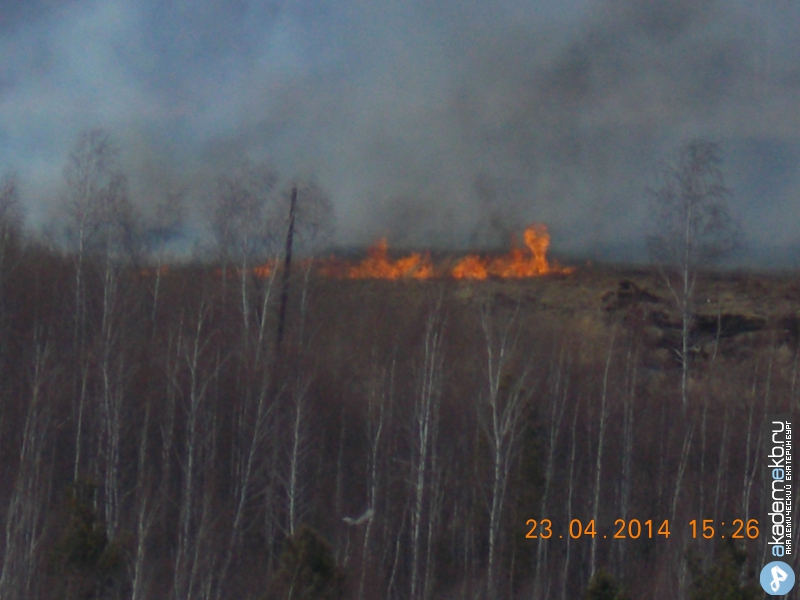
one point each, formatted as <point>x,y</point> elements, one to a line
<point>437,123</point>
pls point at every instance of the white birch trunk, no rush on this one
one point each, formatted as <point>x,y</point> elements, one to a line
<point>505,408</point>
<point>558,400</point>
<point>191,525</point>
<point>377,408</point>
<point>25,517</point>
<point>570,490</point>
<point>426,421</point>
<point>599,461</point>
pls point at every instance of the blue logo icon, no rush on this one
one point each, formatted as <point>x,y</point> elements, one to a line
<point>777,578</point>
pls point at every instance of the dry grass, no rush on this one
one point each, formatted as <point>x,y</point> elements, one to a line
<point>736,314</point>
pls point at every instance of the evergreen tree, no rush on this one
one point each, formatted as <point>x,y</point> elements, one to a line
<point>308,569</point>
<point>723,580</point>
<point>90,566</point>
<point>604,587</point>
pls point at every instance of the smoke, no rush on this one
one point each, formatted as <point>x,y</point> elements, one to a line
<point>437,123</point>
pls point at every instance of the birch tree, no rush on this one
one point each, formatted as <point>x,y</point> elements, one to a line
<point>93,186</point>
<point>10,238</point>
<point>164,227</point>
<point>426,422</point>
<point>693,228</point>
<point>255,424</point>
<point>192,570</point>
<point>557,397</point>
<point>502,408</point>
<point>570,493</point>
<point>604,413</point>
<point>244,223</point>
<point>378,414</point>
<point>145,511</point>
<point>90,173</point>
<point>26,511</point>
<point>119,240</point>
<point>298,450</point>
<point>11,220</point>
<point>628,430</point>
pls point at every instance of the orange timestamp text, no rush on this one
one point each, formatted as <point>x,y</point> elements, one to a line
<point>635,529</point>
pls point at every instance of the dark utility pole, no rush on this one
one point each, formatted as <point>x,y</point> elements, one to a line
<point>286,265</point>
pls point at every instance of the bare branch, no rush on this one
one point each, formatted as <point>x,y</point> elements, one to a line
<point>690,210</point>
<point>10,208</point>
<point>694,228</point>
<point>242,219</point>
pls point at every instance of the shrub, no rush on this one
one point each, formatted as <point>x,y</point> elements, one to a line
<point>89,565</point>
<point>604,587</point>
<point>308,570</point>
<point>723,579</point>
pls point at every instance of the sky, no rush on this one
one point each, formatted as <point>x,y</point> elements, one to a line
<point>436,123</point>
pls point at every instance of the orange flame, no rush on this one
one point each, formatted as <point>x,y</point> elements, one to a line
<point>517,263</point>
<point>162,270</point>
<point>471,267</point>
<point>378,265</point>
<point>263,271</point>
<point>530,261</point>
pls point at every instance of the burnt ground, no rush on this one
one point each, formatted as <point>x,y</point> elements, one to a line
<point>735,313</point>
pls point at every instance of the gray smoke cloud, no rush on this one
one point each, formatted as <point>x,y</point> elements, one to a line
<point>436,123</point>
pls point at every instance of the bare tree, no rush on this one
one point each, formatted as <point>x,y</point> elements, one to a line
<point>604,413</point>
<point>426,422</point>
<point>98,219</point>
<point>145,512</point>
<point>244,223</point>
<point>27,507</point>
<point>558,400</point>
<point>310,221</point>
<point>192,571</point>
<point>295,483</point>
<point>255,428</point>
<point>628,431</point>
<point>10,218</point>
<point>502,409</point>
<point>379,406</point>
<point>10,234</point>
<point>570,493</point>
<point>118,245</point>
<point>164,227</point>
<point>314,217</point>
<point>693,227</point>
<point>98,215</point>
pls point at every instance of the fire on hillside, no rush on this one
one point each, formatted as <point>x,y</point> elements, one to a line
<point>518,263</point>
<point>530,261</point>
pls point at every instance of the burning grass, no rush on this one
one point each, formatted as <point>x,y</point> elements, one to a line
<point>519,263</point>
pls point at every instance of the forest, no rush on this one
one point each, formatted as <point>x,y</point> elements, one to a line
<point>241,426</point>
